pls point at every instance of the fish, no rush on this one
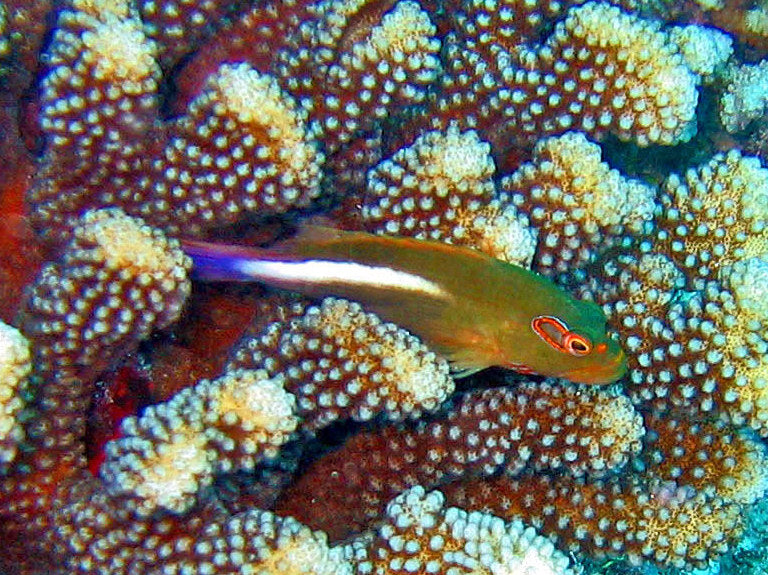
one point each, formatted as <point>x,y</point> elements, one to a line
<point>473,309</point>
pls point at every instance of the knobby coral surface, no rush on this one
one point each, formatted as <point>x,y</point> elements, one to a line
<point>153,424</point>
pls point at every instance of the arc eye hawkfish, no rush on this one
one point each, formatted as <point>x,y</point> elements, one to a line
<point>475,310</point>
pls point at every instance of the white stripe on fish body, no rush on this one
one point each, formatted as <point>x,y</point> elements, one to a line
<point>323,272</point>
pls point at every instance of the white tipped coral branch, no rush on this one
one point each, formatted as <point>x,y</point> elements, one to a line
<point>640,520</point>
<point>601,71</point>
<point>98,100</point>
<point>170,453</point>
<point>116,281</point>
<point>421,535</point>
<point>243,147</point>
<point>363,72</point>
<point>92,538</point>
<point>15,367</point>
<point>342,362</point>
<point>575,201</point>
<point>441,188</point>
<point>714,215</point>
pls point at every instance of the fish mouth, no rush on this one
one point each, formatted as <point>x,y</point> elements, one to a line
<point>600,373</point>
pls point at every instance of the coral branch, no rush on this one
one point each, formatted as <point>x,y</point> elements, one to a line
<point>658,522</point>
<point>117,280</point>
<point>441,188</point>
<point>542,427</point>
<point>715,214</point>
<point>15,367</point>
<point>575,201</point>
<point>341,362</point>
<point>97,102</point>
<point>601,71</point>
<point>513,127</point>
<point>169,454</point>
<point>421,535</point>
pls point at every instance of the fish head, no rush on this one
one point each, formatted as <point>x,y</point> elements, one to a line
<point>573,345</point>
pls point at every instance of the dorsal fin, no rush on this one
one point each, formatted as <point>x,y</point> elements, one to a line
<point>318,233</point>
<point>308,234</point>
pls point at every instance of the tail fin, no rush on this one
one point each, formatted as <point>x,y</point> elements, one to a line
<point>220,262</point>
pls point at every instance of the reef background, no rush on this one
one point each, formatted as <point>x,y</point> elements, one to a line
<point>153,424</point>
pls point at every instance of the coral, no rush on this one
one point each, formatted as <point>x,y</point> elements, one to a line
<point>750,556</point>
<point>700,351</point>
<point>601,71</point>
<point>15,367</point>
<point>23,27</point>
<point>688,309</point>
<point>542,133</point>
<point>341,362</point>
<point>534,426</point>
<point>714,215</point>
<point>365,58</point>
<point>707,456</point>
<point>704,49</point>
<point>92,148</point>
<point>169,454</point>
<point>420,535</point>
<point>179,26</point>
<point>441,188</point>
<point>575,201</point>
<point>746,20</point>
<point>256,540</point>
<point>680,514</point>
<point>639,520</point>
<point>242,145</point>
<point>744,99</point>
<point>116,281</point>
<point>254,36</point>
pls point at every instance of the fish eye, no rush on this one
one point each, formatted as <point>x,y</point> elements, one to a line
<point>576,344</point>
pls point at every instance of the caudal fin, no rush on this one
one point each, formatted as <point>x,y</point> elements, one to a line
<point>220,262</point>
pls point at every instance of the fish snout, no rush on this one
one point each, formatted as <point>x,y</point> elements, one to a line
<point>604,369</point>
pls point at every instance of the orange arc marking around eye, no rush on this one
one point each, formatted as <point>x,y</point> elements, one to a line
<point>538,325</point>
